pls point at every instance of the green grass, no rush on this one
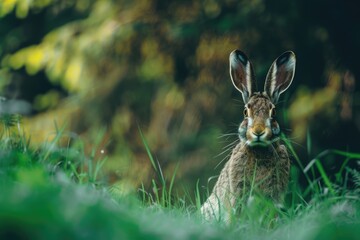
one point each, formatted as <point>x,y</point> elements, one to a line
<point>54,192</point>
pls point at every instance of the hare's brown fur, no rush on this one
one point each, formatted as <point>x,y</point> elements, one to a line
<point>265,167</point>
<point>259,163</point>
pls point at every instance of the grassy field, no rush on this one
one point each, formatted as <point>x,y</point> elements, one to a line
<point>53,192</point>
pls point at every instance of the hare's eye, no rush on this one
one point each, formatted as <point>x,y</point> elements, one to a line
<point>245,112</point>
<point>273,112</point>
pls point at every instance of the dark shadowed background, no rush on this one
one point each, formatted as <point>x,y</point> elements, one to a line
<point>108,67</point>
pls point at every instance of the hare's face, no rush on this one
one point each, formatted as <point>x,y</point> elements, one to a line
<point>259,127</point>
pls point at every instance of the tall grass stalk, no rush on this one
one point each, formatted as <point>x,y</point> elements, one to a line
<point>164,197</point>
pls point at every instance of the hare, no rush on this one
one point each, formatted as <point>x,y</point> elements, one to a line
<point>259,159</point>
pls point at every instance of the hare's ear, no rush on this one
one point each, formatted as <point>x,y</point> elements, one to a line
<point>280,75</point>
<point>242,74</point>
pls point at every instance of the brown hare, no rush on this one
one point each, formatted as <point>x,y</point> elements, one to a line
<point>258,159</point>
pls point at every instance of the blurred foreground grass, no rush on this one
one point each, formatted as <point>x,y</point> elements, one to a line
<point>52,192</point>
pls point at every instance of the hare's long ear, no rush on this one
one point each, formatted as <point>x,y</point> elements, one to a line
<point>242,74</point>
<point>280,75</point>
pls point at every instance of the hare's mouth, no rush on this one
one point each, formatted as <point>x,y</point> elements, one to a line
<point>260,143</point>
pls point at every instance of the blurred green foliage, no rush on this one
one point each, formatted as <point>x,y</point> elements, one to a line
<point>163,66</point>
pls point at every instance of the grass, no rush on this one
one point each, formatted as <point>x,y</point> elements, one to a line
<point>54,192</point>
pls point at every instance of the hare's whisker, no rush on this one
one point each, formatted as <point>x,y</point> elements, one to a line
<point>276,153</point>
<point>227,134</point>
<point>230,145</point>
<point>222,160</point>
<point>295,143</point>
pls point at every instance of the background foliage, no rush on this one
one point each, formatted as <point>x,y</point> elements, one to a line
<point>115,65</point>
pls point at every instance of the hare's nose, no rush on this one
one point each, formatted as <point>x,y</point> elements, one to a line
<point>258,130</point>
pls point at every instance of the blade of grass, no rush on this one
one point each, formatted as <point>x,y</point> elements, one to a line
<point>293,153</point>
<point>253,181</point>
<point>308,148</point>
<point>346,154</point>
<point>162,178</point>
<point>98,167</point>
<point>142,190</point>
<point>154,163</point>
<point>172,182</point>
<point>197,196</point>
<point>58,135</point>
<point>308,143</point>
<point>324,176</point>
<point>155,191</point>
<point>147,148</point>
<point>338,175</point>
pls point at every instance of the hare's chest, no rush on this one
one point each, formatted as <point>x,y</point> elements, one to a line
<point>268,181</point>
<point>263,176</point>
